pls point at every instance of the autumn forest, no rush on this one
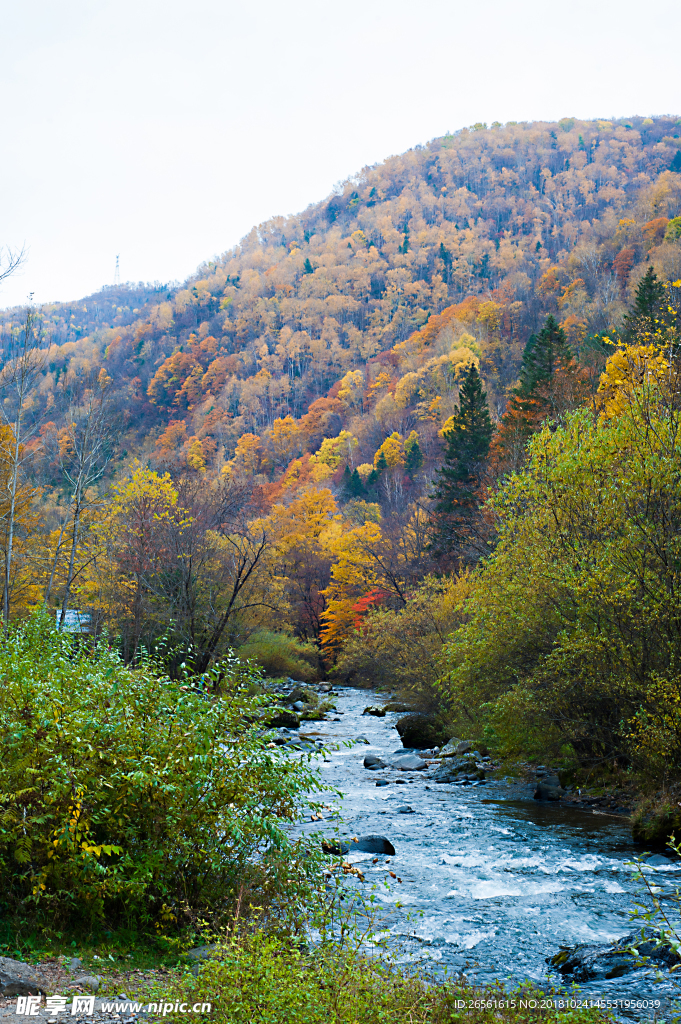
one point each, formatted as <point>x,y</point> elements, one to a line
<point>422,435</point>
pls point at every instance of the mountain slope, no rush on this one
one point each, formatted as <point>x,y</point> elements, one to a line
<point>497,226</point>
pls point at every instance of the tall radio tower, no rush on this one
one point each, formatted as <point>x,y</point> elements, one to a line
<point>117,273</point>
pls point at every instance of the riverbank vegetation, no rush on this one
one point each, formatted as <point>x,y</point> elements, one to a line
<point>367,440</point>
<point>423,436</point>
<point>134,802</point>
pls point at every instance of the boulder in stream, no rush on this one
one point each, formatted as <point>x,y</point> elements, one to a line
<point>549,788</point>
<point>374,710</point>
<point>420,731</point>
<point>363,844</point>
<point>450,769</point>
<point>409,763</point>
<point>373,844</point>
<point>611,960</point>
<point>450,747</point>
<point>282,719</point>
<point>373,763</point>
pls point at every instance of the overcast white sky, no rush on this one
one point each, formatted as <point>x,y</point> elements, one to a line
<point>164,130</point>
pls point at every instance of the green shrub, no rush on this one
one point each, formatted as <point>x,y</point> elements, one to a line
<point>570,635</point>
<point>128,798</point>
<point>259,977</point>
<point>281,655</point>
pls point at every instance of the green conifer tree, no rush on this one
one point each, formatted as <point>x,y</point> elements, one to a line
<point>647,303</point>
<point>458,479</point>
<point>543,353</point>
<point>381,464</point>
<point>413,455</point>
<point>352,482</point>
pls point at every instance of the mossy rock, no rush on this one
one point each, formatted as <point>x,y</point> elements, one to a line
<point>303,693</point>
<point>655,828</point>
<point>283,719</point>
<point>317,713</point>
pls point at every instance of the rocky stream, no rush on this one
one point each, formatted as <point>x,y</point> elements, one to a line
<point>489,881</point>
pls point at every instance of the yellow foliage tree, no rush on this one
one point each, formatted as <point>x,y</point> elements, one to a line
<point>195,457</point>
<point>352,575</point>
<point>625,371</point>
<point>247,455</point>
<point>392,450</point>
<point>284,440</point>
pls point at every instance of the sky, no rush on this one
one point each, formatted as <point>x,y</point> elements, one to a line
<point>163,131</point>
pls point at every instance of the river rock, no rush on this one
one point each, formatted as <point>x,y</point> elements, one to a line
<point>464,746</point>
<point>304,694</point>
<point>657,861</point>
<point>361,739</point>
<point>382,782</point>
<point>300,706</point>
<point>450,769</point>
<point>546,792</point>
<point>373,844</point>
<point>375,711</point>
<point>373,763</point>
<point>281,719</point>
<point>409,763</point>
<point>90,982</point>
<point>363,844</point>
<point>588,962</point>
<point>19,979</point>
<point>405,810</point>
<point>420,731</point>
<point>75,963</point>
<point>449,749</point>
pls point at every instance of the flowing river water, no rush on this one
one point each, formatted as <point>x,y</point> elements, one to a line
<point>493,882</point>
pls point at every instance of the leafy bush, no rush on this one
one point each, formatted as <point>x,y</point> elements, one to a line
<point>128,798</point>
<point>259,977</point>
<point>281,655</point>
<point>571,633</point>
<point>402,649</point>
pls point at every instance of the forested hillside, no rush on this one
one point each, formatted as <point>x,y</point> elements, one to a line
<point>266,453</point>
<point>520,220</point>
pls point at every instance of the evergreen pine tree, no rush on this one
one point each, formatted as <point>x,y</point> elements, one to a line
<point>675,165</point>
<point>354,486</point>
<point>307,266</point>
<point>543,353</point>
<point>468,441</point>
<point>648,295</point>
<point>381,463</point>
<point>413,454</point>
<point>647,303</point>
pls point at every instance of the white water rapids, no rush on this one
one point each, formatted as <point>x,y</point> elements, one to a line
<point>493,882</point>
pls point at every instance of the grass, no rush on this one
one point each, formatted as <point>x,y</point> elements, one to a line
<point>260,977</point>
